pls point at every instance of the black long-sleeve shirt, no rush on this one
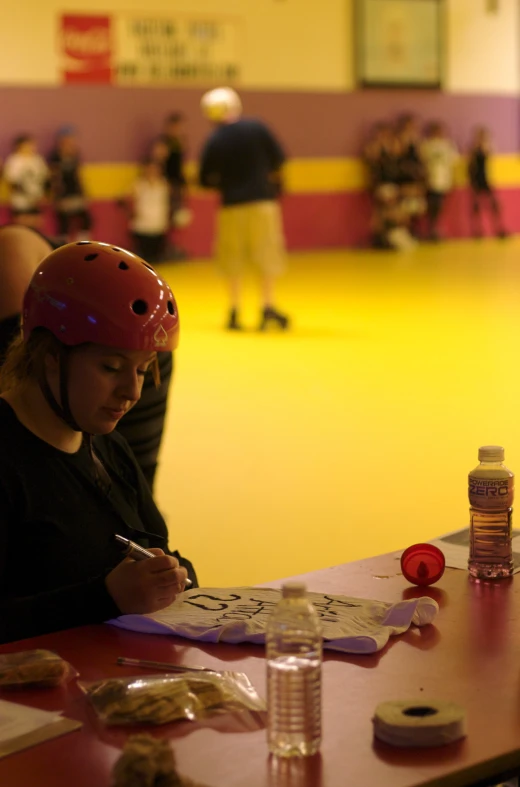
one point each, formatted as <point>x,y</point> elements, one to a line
<point>239,159</point>
<point>57,529</point>
<point>174,164</point>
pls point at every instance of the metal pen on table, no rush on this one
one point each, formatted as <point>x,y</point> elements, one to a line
<point>161,665</point>
<point>136,552</point>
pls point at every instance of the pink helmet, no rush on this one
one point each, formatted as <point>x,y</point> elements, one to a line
<point>95,292</point>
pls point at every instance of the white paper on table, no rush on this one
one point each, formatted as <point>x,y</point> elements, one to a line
<point>241,614</point>
<point>455,547</point>
<point>22,727</point>
<point>16,720</point>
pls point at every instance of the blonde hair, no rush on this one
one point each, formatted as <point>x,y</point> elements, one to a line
<point>25,361</point>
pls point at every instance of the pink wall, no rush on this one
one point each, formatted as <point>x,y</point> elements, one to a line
<point>311,221</point>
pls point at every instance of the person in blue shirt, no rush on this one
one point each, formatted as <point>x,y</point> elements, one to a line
<point>242,160</point>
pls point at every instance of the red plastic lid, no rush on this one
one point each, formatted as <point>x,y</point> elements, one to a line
<point>423,564</point>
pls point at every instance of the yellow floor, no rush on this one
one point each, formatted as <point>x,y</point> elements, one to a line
<point>353,434</point>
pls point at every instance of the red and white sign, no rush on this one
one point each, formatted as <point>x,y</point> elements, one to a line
<point>140,49</point>
<point>86,49</point>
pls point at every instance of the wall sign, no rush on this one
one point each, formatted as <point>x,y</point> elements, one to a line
<point>139,49</point>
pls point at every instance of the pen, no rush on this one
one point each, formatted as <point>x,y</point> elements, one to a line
<point>136,552</point>
<point>163,665</point>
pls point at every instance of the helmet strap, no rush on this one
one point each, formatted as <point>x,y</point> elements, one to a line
<point>63,411</point>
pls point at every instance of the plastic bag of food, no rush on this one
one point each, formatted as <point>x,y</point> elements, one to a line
<point>41,668</point>
<point>160,699</point>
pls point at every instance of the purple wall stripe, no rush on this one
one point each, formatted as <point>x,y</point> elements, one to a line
<point>117,123</point>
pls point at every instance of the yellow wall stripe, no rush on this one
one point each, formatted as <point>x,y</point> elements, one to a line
<point>325,175</point>
<point>505,170</point>
<point>302,175</point>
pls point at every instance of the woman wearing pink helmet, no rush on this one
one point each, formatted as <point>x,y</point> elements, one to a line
<point>94,319</point>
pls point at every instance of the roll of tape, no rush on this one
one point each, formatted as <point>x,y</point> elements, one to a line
<point>419,722</point>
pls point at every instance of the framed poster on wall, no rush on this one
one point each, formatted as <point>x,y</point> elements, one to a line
<point>399,43</point>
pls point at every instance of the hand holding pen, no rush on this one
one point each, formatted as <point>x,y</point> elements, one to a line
<point>137,552</point>
<point>143,586</point>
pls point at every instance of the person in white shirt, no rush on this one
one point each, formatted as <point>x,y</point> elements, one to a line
<point>150,208</point>
<point>438,154</point>
<point>27,176</point>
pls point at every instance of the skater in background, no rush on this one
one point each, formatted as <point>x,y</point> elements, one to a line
<point>72,214</point>
<point>410,172</point>
<point>438,154</point>
<point>482,193</point>
<point>242,160</point>
<point>174,139</point>
<point>148,207</point>
<point>27,177</point>
<point>393,201</point>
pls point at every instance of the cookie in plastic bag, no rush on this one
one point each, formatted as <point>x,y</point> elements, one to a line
<point>34,668</point>
<point>161,699</point>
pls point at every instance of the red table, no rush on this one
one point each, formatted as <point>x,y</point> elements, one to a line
<point>471,655</point>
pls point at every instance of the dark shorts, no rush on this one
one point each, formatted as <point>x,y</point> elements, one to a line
<point>150,247</point>
<point>26,211</point>
<point>481,188</point>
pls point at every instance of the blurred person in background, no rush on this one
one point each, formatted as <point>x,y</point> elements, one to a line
<point>27,177</point>
<point>390,220</point>
<point>410,171</point>
<point>148,206</point>
<point>158,153</point>
<point>482,193</point>
<point>438,154</point>
<point>174,139</point>
<point>242,160</point>
<point>72,214</point>
<point>381,156</point>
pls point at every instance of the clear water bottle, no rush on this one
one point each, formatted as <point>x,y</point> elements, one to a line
<point>491,491</point>
<point>294,654</point>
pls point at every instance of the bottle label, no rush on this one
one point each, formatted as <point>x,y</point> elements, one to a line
<point>491,493</point>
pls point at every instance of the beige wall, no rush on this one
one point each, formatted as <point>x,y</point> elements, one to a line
<point>286,44</point>
<point>482,53</point>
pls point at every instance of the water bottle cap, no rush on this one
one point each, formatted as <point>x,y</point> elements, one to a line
<point>294,590</point>
<point>422,564</point>
<point>490,453</point>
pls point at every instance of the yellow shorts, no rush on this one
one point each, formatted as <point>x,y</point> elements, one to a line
<point>251,234</point>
